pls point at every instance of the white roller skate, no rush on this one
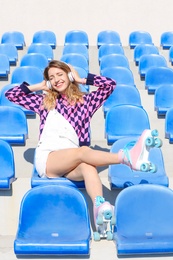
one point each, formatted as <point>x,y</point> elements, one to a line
<point>137,156</point>
<point>104,221</point>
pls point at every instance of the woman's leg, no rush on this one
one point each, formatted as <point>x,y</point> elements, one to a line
<point>64,161</point>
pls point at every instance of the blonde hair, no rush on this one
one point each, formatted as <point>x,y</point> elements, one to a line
<point>73,92</point>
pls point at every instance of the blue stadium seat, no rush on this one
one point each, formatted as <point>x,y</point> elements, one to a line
<point>5,102</point>
<point>144,216</point>
<point>76,60</point>
<point>37,181</point>
<point>122,75</point>
<point>123,121</point>
<point>76,48</point>
<point>156,76</point>
<point>46,37</point>
<point>83,74</point>
<point>107,49</point>
<point>150,60</point>
<point>14,37</point>
<point>7,172</point>
<point>30,74</point>
<point>43,48</point>
<point>14,117</point>
<point>170,55</point>
<point>114,60</point>
<point>38,60</point>
<point>107,37</point>
<point>121,176</point>
<point>169,125</point>
<point>163,99</point>
<point>11,51</point>
<point>139,37</point>
<point>53,220</point>
<point>76,37</point>
<point>166,40</point>
<point>142,49</point>
<point>122,95</point>
<point>4,66</point>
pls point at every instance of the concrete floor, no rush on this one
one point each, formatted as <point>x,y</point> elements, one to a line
<point>10,200</point>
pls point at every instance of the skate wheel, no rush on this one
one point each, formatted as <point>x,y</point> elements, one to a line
<point>99,220</point>
<point>150,141</point>
<point>113,221</point>
<point>109,235</point>
<point>96,236</point>
<point>154,132</point>
<point>145,167</point>
<point>108,214</point>
<point>153,168</point>
<point>158,142</point>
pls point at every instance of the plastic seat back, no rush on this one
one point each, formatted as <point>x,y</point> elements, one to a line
<point>163,99</point>
<point>5,102</point>
<point>108,37</point>
<point>122,176</point>
<point>139,37</point>
<point>122,75</point>
<point>76,60</point>
<point>123,121</point>
<point>169,125</point>
<point>29,74</point>
<point>11,51</point>
<point>7,171</point>
<point>170,55</point>
<point>38,60</point>
<point>150,60</point>
<point>76,48</point>
<point>114,60</point>
<point>166,40</point>
<point>61,235</point>
<point>107,49</point>
<point>4,65</point>
<point>142,49</point>
<point>122,95</point>
<point>46,37</point>
<point>76,37</point>
<point>156,76</point>
<point>14,37</point>
<point>43,48</point>
<point>83,74</point>
<point>17,133</point>
<point>144,216</point>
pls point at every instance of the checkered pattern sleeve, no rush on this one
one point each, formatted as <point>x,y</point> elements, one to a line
<point>21,95</point>
<point>105,87</point>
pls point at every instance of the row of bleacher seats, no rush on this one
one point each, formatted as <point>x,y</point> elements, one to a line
<point>81,37</point>
<point>57,238</point>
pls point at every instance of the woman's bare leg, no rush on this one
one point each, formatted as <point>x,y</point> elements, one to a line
<point>64,161</point>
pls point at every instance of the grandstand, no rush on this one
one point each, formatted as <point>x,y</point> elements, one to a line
<point>10,199</point>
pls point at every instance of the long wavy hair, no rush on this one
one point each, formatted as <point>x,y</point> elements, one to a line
<point>73,92</point>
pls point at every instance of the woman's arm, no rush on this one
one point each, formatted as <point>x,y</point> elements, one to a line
<point>105,86</point>
<point>26,96</point>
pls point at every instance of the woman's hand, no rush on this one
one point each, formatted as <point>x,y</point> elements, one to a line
<point>76,76</point>
<point>39,86</point>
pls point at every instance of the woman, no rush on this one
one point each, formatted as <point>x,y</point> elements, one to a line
<point>65,113</point>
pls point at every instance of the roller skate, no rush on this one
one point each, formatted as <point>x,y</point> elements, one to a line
<point>104,220</point>
<point>135,154</point>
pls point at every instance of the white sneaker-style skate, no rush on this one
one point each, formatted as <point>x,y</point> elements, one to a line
<point>137,156</point>
<point>104,221</point>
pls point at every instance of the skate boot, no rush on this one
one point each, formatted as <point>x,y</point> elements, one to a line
<point>135,154</point>
<point>104,219</point>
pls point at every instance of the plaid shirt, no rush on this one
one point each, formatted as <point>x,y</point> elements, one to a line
<point>79,115</point>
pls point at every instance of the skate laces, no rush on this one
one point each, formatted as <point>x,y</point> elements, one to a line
<point>99,200</point>
<point>126,156</point>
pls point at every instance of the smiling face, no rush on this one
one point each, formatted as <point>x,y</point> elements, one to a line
<point>58,79</point>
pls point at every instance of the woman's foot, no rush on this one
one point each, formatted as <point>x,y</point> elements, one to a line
<point>137,156</point>
<point>104,219</point>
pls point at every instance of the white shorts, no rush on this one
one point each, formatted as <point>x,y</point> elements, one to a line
<point>43,149</point>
